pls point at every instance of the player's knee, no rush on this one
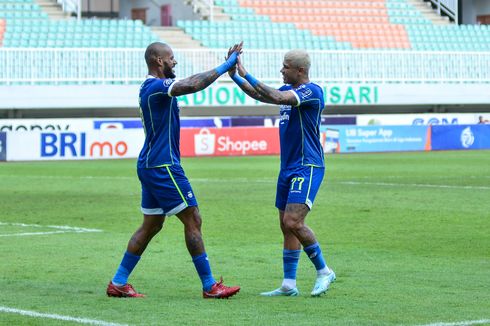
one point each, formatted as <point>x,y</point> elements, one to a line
<point>291,223</point>
<point>196,219</point>
<point>156,228</point>
<point>192,218</point>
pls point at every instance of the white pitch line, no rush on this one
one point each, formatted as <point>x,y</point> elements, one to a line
<point>273,180</point>
<point>32,233</point>
<point>61,228</point>
<point>462,323</point>
<point>36,314</point>
<point>422,185</point>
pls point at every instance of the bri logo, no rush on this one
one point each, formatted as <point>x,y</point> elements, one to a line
<point>68,144</point>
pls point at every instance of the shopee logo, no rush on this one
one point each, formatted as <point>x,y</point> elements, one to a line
<point>226,144</point>
<point>207,143</point>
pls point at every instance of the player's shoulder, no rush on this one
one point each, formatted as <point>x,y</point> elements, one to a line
<point>157,85</point>
<point>309,91</point>
<point>311,86</point>
<point>286,87</point>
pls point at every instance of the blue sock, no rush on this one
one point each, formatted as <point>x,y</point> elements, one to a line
<point>127,265</point>
<point>315,254</point>
<point>201,263</point>
<point>290,259</point>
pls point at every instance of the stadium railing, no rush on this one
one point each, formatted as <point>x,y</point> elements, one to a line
<point>126,66</point>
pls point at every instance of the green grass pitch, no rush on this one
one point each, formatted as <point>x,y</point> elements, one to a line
<point>408,235</point>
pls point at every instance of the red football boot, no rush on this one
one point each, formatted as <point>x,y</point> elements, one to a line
<point>125,291</point>
<point>220,291</point>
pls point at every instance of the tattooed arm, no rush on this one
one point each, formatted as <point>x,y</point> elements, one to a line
<point>263,92</point>
<point>198,82</point>
<point>194,83</point>
<point>246,87</point>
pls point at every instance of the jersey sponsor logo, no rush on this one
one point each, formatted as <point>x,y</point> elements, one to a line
<point>68,144</point>
<point>284,112</point>
<point>284,117</point>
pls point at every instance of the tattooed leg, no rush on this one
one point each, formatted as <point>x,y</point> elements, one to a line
<point>191,219</point>
<point>152,224</point>
<point>294,222</point>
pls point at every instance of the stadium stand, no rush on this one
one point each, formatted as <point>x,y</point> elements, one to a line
<point>334,25</point>
<point>384,33</point>
<point>24,24</point>
<point>2,30</point>
<point>262,24</point>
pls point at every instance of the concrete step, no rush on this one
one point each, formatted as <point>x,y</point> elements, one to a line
<point>53,9</point>
<point>176,37</point>
<point>429,13</point>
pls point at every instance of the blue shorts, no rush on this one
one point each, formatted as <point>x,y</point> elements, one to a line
<point>165,190</point>
<point>299,185</point>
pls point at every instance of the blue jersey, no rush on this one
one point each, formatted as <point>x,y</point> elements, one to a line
<point>159,113</point>
<point>299,129</point>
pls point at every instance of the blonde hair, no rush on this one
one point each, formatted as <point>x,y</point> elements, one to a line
<point>298,59</point>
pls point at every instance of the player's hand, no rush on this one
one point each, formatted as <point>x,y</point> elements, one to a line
<point>235,48</point>
<point>241,70</point>
<point>232,70</point>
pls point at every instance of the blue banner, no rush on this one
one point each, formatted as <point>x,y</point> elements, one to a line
<point>461,137</point>
<point>3,146</point>
<point>120,124</point>
<point>353,139</point>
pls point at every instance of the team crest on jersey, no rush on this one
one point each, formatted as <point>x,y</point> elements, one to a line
<point>304,92</point>
<point>189,194</point>
<point>167,82</point>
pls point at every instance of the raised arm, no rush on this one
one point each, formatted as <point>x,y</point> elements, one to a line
<point>263,92</point>
<point>200,81</point>
<point>245,86</point>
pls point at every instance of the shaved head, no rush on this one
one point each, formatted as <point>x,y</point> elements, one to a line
<point>155,50</point>
<point>160,60</point>
<point>298,59</point>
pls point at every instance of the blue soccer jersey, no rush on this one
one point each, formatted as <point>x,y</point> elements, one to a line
<point>160,116</point>
<point>299,129</point>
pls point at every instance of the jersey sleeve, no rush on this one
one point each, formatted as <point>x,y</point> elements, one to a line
<point>288,88</point>
<point>167,85</point>
<point>306,92</point>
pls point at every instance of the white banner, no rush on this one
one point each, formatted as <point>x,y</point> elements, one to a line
<point>421,119</point>
<point>35,145</point>
<point>7,125</point>
<point>228,94</point>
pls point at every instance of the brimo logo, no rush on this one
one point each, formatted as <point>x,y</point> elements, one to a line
<point>75,145</point>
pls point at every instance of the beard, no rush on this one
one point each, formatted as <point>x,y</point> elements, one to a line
<point>169,73</point>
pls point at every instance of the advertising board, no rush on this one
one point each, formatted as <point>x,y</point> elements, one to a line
<point>34,145</point>
<point>236,141</point>
<point>3,146</point>
<point>461,137</point>
<point>354,139</point>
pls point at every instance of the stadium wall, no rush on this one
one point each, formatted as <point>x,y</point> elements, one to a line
<point>238,141</point>
<point>224,98</point>
<point>179,10</point>
<point>474,8</point>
